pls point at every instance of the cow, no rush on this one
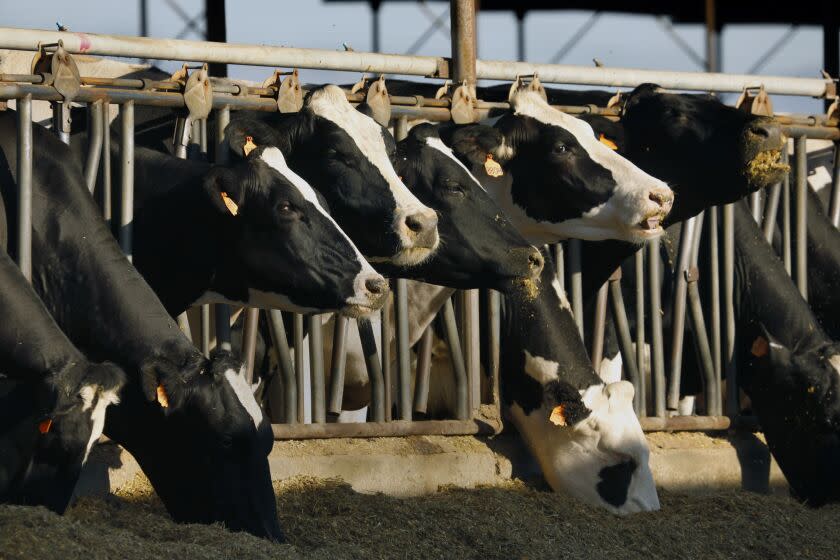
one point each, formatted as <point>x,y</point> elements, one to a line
<point>53,402</point>
<point>192,423</point>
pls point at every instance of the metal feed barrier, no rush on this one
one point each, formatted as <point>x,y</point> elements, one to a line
<point>391,412</point>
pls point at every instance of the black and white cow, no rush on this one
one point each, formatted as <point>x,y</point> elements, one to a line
<point>191,423</point>
<point>52,399</point>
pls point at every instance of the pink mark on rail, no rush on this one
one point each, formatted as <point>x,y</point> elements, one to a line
<point>84,42</point>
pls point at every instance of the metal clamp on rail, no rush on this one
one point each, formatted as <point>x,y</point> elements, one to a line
<point>463,105</point>
<point>289,92</point>
<point>530,82</point>
<point>755,101</point>
<point>58,70</point>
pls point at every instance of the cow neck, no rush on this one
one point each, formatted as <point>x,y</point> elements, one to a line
<point>95,295</point>
<point>541,330</point>
<point>764,292</point>
<point>179,229</point>
<point>823,266</point>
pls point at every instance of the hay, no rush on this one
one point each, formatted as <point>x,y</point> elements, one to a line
<point>765,167</point>
<point>528,287</point>
<point>327,519</point>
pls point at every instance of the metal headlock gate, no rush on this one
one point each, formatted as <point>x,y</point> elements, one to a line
<point>472,415</point>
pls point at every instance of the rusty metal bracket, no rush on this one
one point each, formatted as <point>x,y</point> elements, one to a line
<point>443,90</point>
<point>360,85</point>
<point>463,110</point>
<point>615,101</point>
<point>289,92</point>
<point>378,100</point>
<point>198,94</point>
<point>58,69</point>
<point>692,274</point>
<point>527,83</point>
<point>755,101</point>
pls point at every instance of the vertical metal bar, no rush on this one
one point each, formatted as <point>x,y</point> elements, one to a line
<point>471,345</point>
<point>374,370</point>
<point>375,26</point>
<point>520,35</point>
<point>106,199</point>
<point>287,370</point>
<point>95,133</point>
<point>714,273</point>
<point>424,368</point>
<point>625,343</point>
<point>299,369</point>
<point>678,321</point>
<point>337,363</point>
<point>657,351</point>
<point>712,37</point>
<point>577,282</point>
<point>450,328</point>
<point>599,326</point>
<point>249,341</point>
<point>127,176</point>
<point>386,329</point>
<point>834,209</point>
<point>755,207</point>
<point>641,390</point>
<point>462,19</point>
<point>61,121</point>
<point>771,211</point>
<point>184,325</point>
<point>24,181</point>
<point>222,311</point>
<point>494,328</point>
<point>786,244</point>
<point>729,308</point>
<point>560,264</point>
<point>713,404</point>
<point>316,368</point>
<point>182,319</point>
<point>403,356</point>
<point>801,155</point>
<point>205,330</point>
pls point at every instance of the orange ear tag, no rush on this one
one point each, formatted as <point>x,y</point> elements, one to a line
<point>249,145</point>
<point>607,142</point>
<point>760,347</point>
<point>232,207</point>
<point>45,426</point>
<point>162,397</point>
<point>492,167</point>
<point>558,417</point>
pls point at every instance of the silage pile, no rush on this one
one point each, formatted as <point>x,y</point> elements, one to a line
<point>327,519</point>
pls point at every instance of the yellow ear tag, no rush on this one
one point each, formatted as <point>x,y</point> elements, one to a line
<point>608,143</point>
<point>162,398</point>
<point>558,417</point>
<point>45,426</point>
<point>232,207</point>
<point>249,145</point>
<point>492,167</point>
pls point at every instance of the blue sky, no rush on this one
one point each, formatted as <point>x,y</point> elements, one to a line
<point>616,40</point>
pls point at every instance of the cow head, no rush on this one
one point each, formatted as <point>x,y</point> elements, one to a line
<point>796,396</point>
<point>203,443</point>
<point>559,181</point>
<point>348,158</point>
<point>707,150</point>
<point>289,248</point>
<point>479,246</point>
<point>67,430</point>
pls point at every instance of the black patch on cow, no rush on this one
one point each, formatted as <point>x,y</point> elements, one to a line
<point>615,482</point>
<point>557,393</point>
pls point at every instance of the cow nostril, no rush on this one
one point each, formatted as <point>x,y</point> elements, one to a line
<point>420,222</point>
<point>660,198</point>
<point>536,261</point>
<point>376,286</point>
<point>760,130</point>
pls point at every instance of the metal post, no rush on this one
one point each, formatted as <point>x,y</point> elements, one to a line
<point>625,343</point>
<point>713,48</point>
<point>205,330</point>
<point>755,207</point>
<point>598,327</point>
<point>657,351</point>
<point>184,324</point>
<point>249,341</point>
<point>24,180</point>
<point>520,35</point>
<point>801,155</point>
<point>337,363</point>
<point>678,321</point>
<point>61,120</point>
<point>831,42</point>
<point>375,26</point>
<point>126,176</point>
<point>385,334</point>
<point>732,406</point>
<point>105,199</point>
<point>641,390</point>
<point>374,370</point>
<point>316,369</point>
<point>424,367</point>
<point>403,356</point>
<point>494,328</point>
<point>287,370</point>
<point>771,211</point>
<point>560,264</point>
<point>216,30</point>
<point>471,345</point>
<point>222,311</point>
<point>462,19</point>
<point>835,189</point>
<point>461,388</point>
<point>577,282</point>
<point>299,373</point>
<point>786,242</point>
<point>95,133</point>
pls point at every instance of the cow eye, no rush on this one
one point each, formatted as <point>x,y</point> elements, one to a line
<point>286,208</point>
<point>560,148</point>
<point>453,187</point>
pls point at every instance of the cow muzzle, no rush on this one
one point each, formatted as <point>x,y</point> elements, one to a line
<point>418,234</point>
<point>370,293</point>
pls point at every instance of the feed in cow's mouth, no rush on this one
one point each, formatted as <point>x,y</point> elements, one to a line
<point>528,286</point>
<point>358,311</point>
<point>766,167</point>
<point>412,256</point>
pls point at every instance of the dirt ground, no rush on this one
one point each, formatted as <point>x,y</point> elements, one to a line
<point>327,519</point>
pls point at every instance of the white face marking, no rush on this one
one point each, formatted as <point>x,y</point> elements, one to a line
<point>610,369</point>
<point>620,216</point>
<point>237,382</point>
<point>89,393</point>
<point>438,145</point>
<point>273,157</point>
<point>540,369</point>
<point>835,362</point>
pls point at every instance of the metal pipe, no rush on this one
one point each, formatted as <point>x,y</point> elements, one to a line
<point>786,243</point>
<point>678,314</point>
<point>451,335</point>
<point>385,337</point>
<point>24,181</point>
<point>398,428</point>
<point>641,390</point>
<point>106,199</point>
<point>184,324</point>
<point>374,370</point>
<point>755,207</point>
<point>316,369</point>
<point>299,369</point>
<point>249,341</point>
<point>657,351</point>
<point>625,343</point>
<point>560,264</point>
<point>801,156</point>
<point>226,53</point>
<point>424,369</point>
<point>471,345</point>
<point>493,332</point>
<point>686,424</point>
<point>698,324</point>
<point>222,310</point>
<point>205,330</point>
<point>576,281</point>
<point>61,121</point>
<point>284,358</point>
<point>462,19</point>
<point>95,133</point>
<point>816,132</point>
<point>598,327</point>
<point>337,363</point>
<point>771,211</point>
<point>403,357</point>
<point>835,189</point>
<point>714,273</point>
<point>729,309</point>
<point>126,176</point>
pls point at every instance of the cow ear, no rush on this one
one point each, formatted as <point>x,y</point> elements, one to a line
<point>517,133</point>
<point>639,93</point>
<point>164,383</point>
<point>224,190</point>
<point>565,406</point>
<point>472,143</point>
<point>365,109</point>
<point>245,135</point>
<point>765,347</point>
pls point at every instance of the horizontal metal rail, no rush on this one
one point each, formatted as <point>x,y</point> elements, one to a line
<point>396,428</point>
